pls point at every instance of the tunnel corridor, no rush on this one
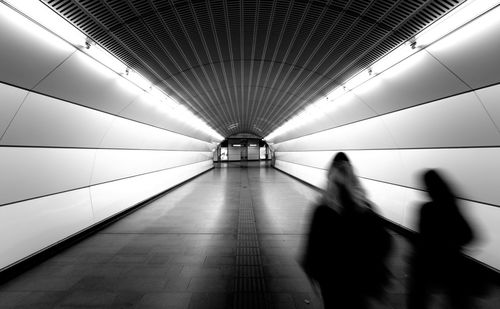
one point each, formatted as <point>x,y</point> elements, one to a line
<point>123,124</point>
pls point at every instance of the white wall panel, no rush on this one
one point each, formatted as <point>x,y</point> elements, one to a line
<point>313,176</point>
<point>474,171</point>
<point>349,108</point>
<point>146,110</point>
<point>113,197</point>
<point>114,164</point>
<point>320,124</point>
<point>158,114</point>
<point>12,98</point>
<point>395,203</point>
<point>82,80</point>
<point>28,54</point>
<point>317,159</point>
<point>416,80</point>
<point>346,109</point>
<point>490,98</point>
<point>32,172</point>
<point>45,121</point>
<point>472,53</point>
<point>30,226</point>
<point>370,134</point>
<point>385,165</point>
<point>162,139</point>
<point>129,134</point>
<point>124,133</point>
<point>456,121</point>
<point>484,220</point>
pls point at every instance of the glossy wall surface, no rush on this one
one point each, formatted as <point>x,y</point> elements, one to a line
<point>437,109</point>
<point>78,143</point>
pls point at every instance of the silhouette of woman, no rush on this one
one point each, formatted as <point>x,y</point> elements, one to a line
<point>347,243</point>
<point>437,263</point>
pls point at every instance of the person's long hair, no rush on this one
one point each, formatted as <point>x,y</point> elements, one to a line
<point>458,232</point>
<point>438,189</point>
<point>343,187</point>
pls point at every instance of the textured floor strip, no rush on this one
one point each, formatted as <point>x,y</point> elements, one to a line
<point>250,286</point>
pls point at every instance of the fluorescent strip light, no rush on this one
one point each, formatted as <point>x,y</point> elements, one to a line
<point>335,93</point>
<point>170,102</point>
<point>157,93</point>
<point>467,32</point>
<point>322,105</point>
<point>397,55</point>
<point>43,15</point>
<point>314,111</point>
<point>357,80</point>
<point>21,21</point>
<point>105,58</point>
<point>466,12</point>
<point>138,80</point>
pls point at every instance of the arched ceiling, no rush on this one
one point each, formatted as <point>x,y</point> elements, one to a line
<point>249,65</point>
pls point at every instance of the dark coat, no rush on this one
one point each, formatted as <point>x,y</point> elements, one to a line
<point>438,248</point>
<point>346,253</point>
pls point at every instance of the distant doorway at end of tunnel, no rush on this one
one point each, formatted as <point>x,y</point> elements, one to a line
<point>242,149</point>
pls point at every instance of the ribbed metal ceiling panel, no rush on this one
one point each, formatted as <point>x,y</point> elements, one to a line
<point>248,66</point>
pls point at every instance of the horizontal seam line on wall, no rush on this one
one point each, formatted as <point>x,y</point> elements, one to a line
<point>194,233</point>
<point>100,148</point>
<point>97,110</point>
<point>401,148</point>
<point>100,183</point>
<point>387,113</point>
<point>395,184</point>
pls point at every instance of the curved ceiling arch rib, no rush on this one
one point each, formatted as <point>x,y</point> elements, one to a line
<point>300,49</point>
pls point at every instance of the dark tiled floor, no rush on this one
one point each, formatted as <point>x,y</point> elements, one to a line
<point>230,238</point>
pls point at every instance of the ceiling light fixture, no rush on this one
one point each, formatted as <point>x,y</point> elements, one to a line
<point>16,19</point>
<point>99,54</point>
<point>394,57</point>
<point>357,80</point>
<point>137,79</point>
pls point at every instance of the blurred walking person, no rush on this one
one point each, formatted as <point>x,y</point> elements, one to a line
<point>438,264</point>
<point>347,245</point>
